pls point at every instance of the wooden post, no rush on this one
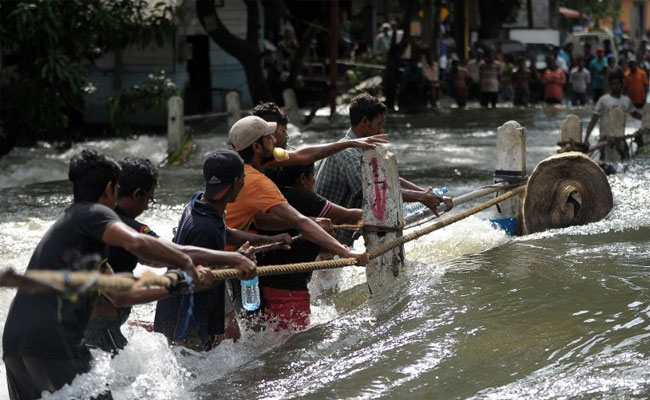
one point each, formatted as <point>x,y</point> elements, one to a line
<point>615,128</point>
<point>382,215</point>
<point>291,107</point>
<point>511,167</point>
<point>233,106</point>
<point>572,129</point>
<point>175,124</point>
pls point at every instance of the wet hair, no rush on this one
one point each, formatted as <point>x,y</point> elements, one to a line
<point>289,176</point>
<point>90,172</point>
<point>270,112</point>
<point>365,105</point>
<point>248,153</point>
<point>616,74</point>
<point>137,173</point>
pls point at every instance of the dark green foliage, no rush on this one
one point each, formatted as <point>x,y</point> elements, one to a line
<point>48,49</point>
<point>152,93</point>
<point>596,9</point>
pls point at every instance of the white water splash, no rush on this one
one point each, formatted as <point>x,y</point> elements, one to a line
<point>44,163</point>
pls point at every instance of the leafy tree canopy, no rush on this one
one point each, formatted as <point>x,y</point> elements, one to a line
<point>596,9</point>
<point>48,48</point>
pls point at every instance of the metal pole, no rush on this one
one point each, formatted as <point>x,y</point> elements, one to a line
<point>334,50</point>
<point>465,198</point>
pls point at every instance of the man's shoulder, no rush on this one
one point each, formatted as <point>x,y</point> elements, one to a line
<point>91,210</point>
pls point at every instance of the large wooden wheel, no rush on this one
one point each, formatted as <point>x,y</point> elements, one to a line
<point>564,190</point>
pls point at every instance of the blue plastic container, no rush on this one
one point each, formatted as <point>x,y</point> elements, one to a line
<point>507,224</point>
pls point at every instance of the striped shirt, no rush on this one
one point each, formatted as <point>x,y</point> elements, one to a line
<point>339,180</point>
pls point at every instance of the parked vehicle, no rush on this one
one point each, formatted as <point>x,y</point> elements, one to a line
<point>536,36</point>
<point>539,43</point>
<point>595,39</point>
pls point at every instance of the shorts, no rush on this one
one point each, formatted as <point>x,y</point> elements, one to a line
<point>579,98</point>
<point>286,310</point>
<point>104,333</point>
<point>28,377</point>
<point>489,98</point>
<point>597,93</point>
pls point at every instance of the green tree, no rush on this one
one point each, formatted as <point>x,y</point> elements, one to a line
<point>493,14</point>
<point>48,50</point>
<point>246,51</point>
<point>596,9</point>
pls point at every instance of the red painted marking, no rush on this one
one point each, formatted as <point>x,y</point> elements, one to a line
<point>379,204</point>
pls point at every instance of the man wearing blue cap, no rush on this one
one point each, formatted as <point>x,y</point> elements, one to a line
<point>197,320</point>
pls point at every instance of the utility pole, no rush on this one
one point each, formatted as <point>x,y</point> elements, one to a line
<point>334,50</point>
<point>581,10</point>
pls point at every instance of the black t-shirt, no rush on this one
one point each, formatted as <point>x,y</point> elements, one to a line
<point>120,259</point>
<point>201,226</point>
<point>309,204</point>
<point>46,325</point>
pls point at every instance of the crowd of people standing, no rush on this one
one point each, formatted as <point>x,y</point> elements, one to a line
<point>564,78</point>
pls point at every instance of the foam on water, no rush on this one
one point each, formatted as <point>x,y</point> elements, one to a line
<point>44,163</point>
<point>443,245</point>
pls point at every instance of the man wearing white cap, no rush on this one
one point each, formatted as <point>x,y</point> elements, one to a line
<point>252,138</point>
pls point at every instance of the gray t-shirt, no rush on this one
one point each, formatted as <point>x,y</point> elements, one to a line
<point>579,80</point>
<point>607,103</point>
<point>44,324</point>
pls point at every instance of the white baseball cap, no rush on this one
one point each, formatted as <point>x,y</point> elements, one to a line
<point>248,130</point>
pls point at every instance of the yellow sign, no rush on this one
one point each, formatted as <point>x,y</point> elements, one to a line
<point>444,13</point>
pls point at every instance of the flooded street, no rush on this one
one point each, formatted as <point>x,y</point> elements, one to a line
<point>479,315</point>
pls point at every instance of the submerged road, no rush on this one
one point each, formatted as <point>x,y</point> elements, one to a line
<point>558,314</point>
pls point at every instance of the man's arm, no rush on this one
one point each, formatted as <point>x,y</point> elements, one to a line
<point>235,237</point>
<point>217,259</point>
<point>409,185</point>
<point>590,127</point>
<point>428,199</point>
<point>412,192</point>
<point>312,154</point>
<point>314,233</point>
<point>146,247</point>
<point>145,295</point>
<point>149,248</point>
<point>342,215</point>
<point>270,222</point>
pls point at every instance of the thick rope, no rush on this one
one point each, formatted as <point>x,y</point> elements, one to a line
<point>55,280</point>
<point>441,224</point>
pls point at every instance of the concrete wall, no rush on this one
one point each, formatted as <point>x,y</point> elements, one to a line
<point>226,71</point>
<point>631,23</point>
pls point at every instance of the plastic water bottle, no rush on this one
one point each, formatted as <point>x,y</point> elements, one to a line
<point>440,192</point>
<point>250,294</point>
<point>415,208</point>
<point>412,208</point>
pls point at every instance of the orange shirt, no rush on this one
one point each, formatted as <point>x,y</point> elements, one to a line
<point>258,195</point>
<point>553,82</point>
<point>635,84</point>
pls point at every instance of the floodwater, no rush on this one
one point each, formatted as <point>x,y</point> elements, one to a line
<point>478,315</point>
